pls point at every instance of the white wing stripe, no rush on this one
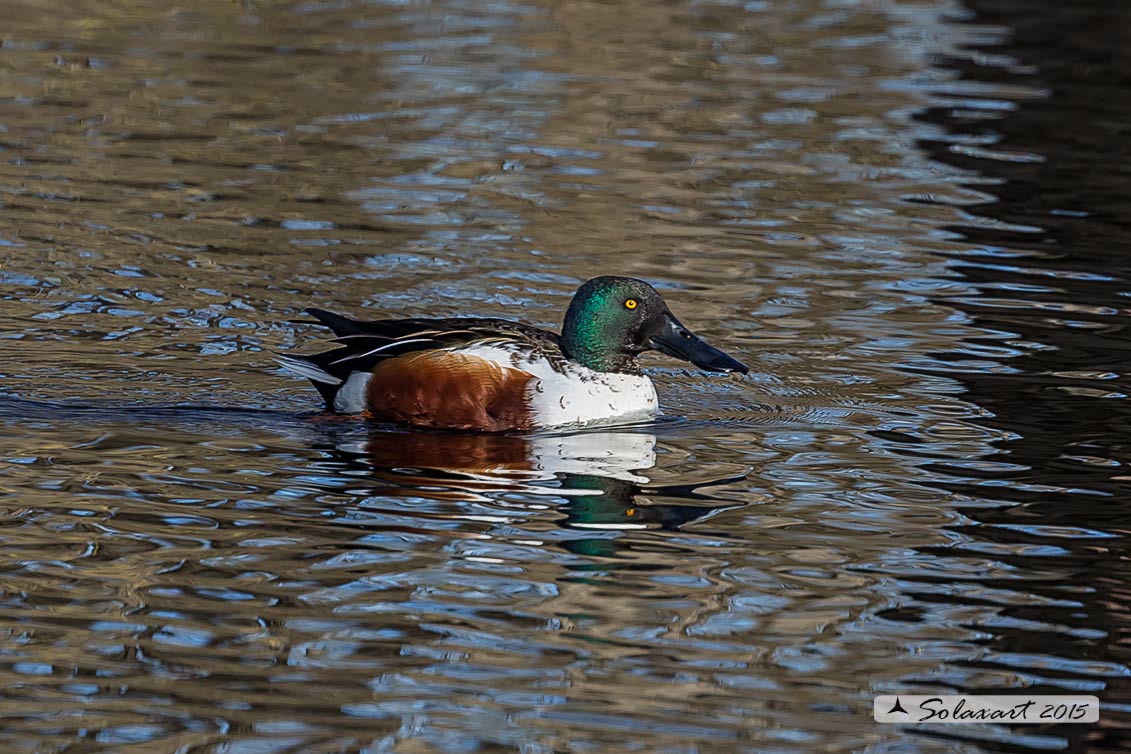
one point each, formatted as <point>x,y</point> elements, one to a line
<point>379,350</point>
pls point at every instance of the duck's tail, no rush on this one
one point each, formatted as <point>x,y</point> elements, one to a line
<point>327,384</point>
<point>345,394</point>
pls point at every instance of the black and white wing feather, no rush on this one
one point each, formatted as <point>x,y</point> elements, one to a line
<point>362,345</point>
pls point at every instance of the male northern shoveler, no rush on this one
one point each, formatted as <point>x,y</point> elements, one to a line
<point>494,375</point>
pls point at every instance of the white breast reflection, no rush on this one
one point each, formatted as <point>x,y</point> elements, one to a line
<point>511,461</point>
<point>598,480</point>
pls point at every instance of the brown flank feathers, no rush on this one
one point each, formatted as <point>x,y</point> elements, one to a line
<point>447,390</point>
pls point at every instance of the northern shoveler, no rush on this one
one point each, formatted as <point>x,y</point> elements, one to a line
<point>495,375</point>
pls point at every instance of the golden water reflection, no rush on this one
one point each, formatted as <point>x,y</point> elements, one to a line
<point>193,561</point>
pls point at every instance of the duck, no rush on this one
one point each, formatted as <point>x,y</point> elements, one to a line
<point>486,374</point>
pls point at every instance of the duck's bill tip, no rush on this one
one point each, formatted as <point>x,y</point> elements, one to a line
<point>677,341</point>
<point>727,364</point>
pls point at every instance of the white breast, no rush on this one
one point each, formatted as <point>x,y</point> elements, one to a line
<point>578,395</point>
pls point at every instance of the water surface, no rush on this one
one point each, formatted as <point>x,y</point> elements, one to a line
<point>878,206</point>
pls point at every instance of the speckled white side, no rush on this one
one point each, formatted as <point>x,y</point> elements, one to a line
<point>577,396</point>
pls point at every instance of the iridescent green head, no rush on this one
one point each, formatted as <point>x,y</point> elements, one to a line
<point>612,320</point>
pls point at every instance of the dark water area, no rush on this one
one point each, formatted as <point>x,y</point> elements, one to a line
<point>1047,251</point>
<point>908,218</point>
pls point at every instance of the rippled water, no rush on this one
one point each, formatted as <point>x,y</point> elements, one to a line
<point>909,219</point>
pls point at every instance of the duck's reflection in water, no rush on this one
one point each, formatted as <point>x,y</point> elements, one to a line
<point>597,478</point>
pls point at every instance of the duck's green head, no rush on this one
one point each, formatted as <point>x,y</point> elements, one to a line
<point>612,320</point>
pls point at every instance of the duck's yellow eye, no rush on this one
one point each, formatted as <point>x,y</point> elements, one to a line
<point>630,304</point>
